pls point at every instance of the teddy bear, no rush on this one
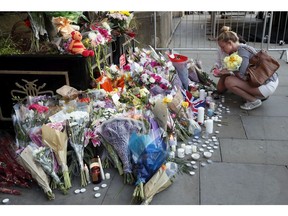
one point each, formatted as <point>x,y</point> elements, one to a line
<point>76,46</point>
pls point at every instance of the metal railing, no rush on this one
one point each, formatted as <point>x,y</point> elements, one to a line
<point>197,31</point>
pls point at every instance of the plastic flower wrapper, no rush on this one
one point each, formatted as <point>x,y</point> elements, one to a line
<point>77,122</point>
<point>204,80</point>
<point>160,111</point>
<point>35,135</point>
<point>117,132</point>
<point>149,151</point>
<point>232,62</point>
<point>56,138</point>
<point>180,63</point>
<point>192,72</point>
<point>44,156</point>
<point>176,105</point>
<point>37,172</point>
<point>161,180</point>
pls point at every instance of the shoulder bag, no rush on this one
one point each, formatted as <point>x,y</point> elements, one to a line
<point>261,67</point>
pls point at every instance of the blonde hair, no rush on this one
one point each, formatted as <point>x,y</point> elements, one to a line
<point>226,34</point>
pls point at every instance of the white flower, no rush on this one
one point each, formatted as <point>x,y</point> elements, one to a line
<point>144,78</point>
<point>106,26</point>
<point>143,60</point>
<point>151,80</point>
<point>136,67</point>
<point>92,35</point>
<point>170,66</point>
<point>143,92</point>
<point>136,50</point>
<point>170,97</point>
<point>114,68</point>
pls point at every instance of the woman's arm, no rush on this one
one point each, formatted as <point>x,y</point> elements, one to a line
<point>245,54</point>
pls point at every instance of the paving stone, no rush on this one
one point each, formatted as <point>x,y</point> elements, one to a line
<point>229,125</point>
<point>183,191</point>
<point>243,184</point>
<point>273,106</point>
<point>265,128</point>
<point>254,151</point>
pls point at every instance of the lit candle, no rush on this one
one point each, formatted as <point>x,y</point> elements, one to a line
<point>171,140</point>
<point>200,117</point>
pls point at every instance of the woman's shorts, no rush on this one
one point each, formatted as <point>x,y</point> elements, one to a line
<point>268,88</point>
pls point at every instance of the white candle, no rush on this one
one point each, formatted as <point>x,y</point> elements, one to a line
<point>194,148</point>
<point>107,175</point>
<point>173,148</point>
<point>172,140</point>
<point>188,149</point>
<point>202,94</point>
<point>209,126</point>
<point>180,153</point>
<point>212,106</point>
<point>172,154</point>
<point>87,174</point>
<point>200,117</point>
<point>183,145</point>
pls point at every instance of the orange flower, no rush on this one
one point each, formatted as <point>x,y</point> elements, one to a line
<point>105,83</point>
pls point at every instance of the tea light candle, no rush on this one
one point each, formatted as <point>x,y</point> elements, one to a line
<point>200,117</point>
<point>180,153</point>
<point>107,175</point>
<point>195,156</point>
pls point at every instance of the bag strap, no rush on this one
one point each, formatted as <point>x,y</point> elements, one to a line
<point>249,49</point>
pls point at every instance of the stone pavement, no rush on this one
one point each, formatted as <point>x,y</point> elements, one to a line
<point>249,167</point>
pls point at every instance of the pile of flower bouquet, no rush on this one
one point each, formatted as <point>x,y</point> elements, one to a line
<point>131,114</point>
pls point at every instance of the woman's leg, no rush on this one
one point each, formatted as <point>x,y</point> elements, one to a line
<point>221,88</point>
<point>242,88</point>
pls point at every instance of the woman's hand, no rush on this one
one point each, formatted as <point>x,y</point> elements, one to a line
<point>225,72</point>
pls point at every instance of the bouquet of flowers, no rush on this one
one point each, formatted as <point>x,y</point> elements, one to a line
<point>117,132</point>
<point>161,180</point>
<point>56,138</point>
<point>232,62</point>
<point>180,63</point>
<point>149,151</point>
<point>44,156</point>
<point>37,172</point>
<point>77,122</point>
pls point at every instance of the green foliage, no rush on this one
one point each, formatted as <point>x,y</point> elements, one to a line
<point>7,47</point>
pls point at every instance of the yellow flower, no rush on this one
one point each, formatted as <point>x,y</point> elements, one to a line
<point>233,62</point>
<point>167,99</point>
<point>185,104</point>
<point>126,13</point>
